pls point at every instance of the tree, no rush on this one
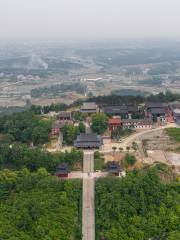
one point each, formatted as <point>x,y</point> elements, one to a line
<point>99,123</point>
<point>18,156</point>
<point>70,132</point>
<point>82,128</point>
<point>134,146</point>
<point>129,160</point>
<point>114,148</point>
<point>120,149</point>
<point>79,116</point>
<point>128,148</point>
<point>25,127</point>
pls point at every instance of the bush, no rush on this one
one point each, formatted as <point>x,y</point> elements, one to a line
<point>99,123</point>
<point>129,160</point>
<point>98,161</point>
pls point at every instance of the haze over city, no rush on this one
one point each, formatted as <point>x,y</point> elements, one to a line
<point>75,20</point>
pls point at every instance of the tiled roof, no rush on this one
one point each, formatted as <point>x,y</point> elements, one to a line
<point>62,169</point>
<point>113,167</point>
<point>64,114</point>
<point>88,140</point>
<point>156,105</point>
<point>89,105</point>
<point>120,109</point>
<point>90,137</point>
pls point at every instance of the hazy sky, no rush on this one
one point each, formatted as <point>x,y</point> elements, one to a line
<point>89,19</point>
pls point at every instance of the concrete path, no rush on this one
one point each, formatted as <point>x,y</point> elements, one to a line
<point>88,212</point>
<point>134,137</point>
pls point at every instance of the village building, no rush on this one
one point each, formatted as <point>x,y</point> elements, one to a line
<point>114,123</point>
<point>88,140</point>
<point>65,116</point>
<point>89,107</point>
<point>114,168</point>
<point>159,112</point>
<point>124,111</point>
<point>62,171</point>
<point>176,114</point>
<point>137,123</point>
<point>58,126</point>
<point>175,107</point>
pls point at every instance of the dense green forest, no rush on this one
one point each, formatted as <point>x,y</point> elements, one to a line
<point>18,156</point>
<point>26,127</point>
<point>39,207</point>
<point>140,206</point>
<point>50,108</point>
<point>116,99</point>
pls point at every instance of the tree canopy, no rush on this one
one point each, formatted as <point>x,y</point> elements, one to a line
<point>18,156</point>
<point>138,207</point>
<point>26,127</point>
<point>99,123</point>
<point>39,207</point>
<point>70,132</point>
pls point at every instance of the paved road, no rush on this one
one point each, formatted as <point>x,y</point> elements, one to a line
<point>134,137</point>
<point>88,215</point>
<point>88,162</point>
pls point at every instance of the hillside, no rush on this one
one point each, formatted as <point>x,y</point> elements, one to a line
<point>140,206</point>
<point>39,207</point>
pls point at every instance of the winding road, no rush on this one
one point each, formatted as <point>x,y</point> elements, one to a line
<point>130,139</point>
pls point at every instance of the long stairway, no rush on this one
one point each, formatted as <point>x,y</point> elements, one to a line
<point>88,213</point>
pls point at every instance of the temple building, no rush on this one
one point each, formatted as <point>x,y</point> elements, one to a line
<point>159,112</point>
<point>88,140</point>
<point>123,111</point>
<point>62,170</point>
<point>65,116</point>
<point>89,107</point>
<point>114,123</point>
<point>113,168</point>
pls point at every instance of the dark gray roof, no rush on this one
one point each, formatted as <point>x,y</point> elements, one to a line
<point>65,114</point>
<point>90,137</point>
<point>88,140</point>
<point>158,110</point>
<point>156,105</point>
<point>120,109</point>
<point>62,169</point>
<point>89,106</point>
<point>175,105</point>
<point>113,167</point>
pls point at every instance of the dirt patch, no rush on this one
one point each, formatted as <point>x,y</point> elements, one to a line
<point>114,156</point>
<point>159,141</point>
